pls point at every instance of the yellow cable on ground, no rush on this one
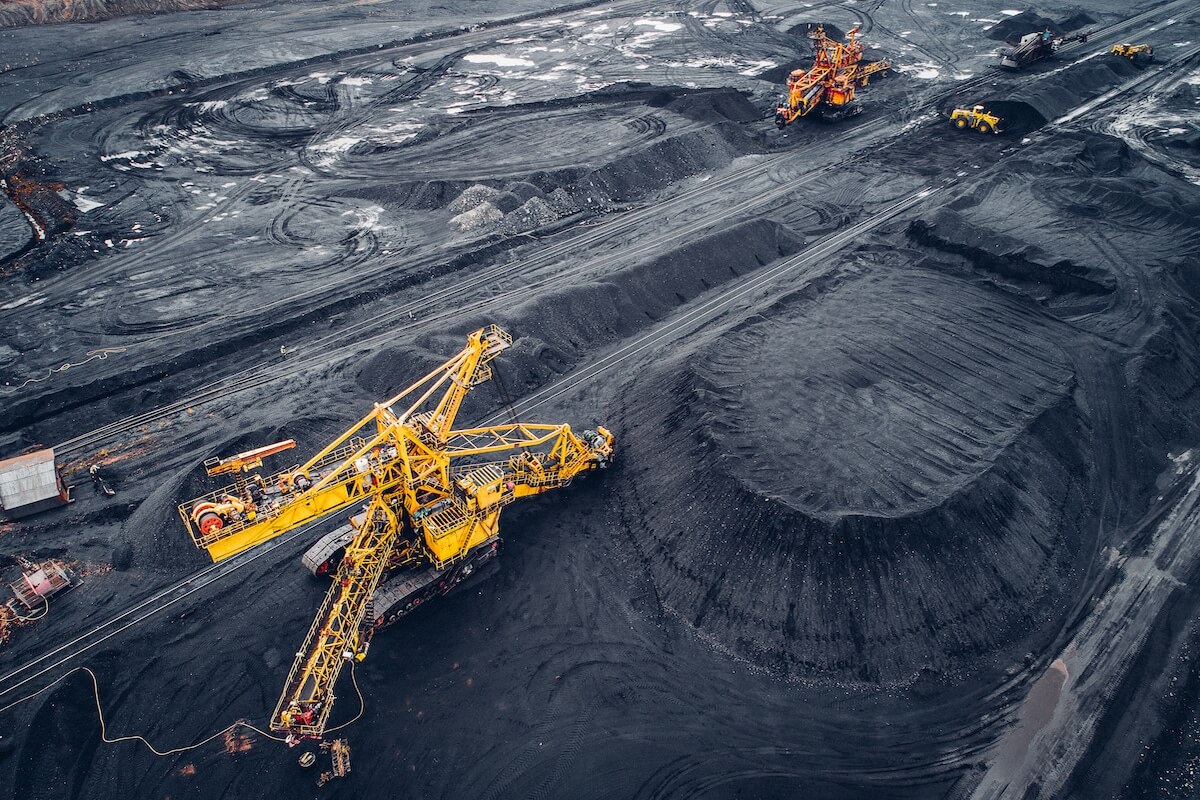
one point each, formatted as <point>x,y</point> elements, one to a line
<point>104,730</point>
<point>362,704</point>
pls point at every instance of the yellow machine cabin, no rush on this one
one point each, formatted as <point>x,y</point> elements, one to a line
<point>432,496</point>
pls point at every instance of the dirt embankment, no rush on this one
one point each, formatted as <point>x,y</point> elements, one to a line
<point>15,13</point>
<point>902,470</point>
<point>560,328</point>
<point>676,133</point>
<point>1011,29</point>
<point>863,508</point>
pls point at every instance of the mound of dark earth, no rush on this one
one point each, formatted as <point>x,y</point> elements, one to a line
<point>655,135</point>
<point>557,329</point>
<point>802,30</point>
<point>1058,92</point>
<point>897,488</point>
<point>1011,29</point>
<point>902,468</point>
<point>1054,92</point>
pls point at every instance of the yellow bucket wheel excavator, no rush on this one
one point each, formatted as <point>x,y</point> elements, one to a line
<point>432,496</point>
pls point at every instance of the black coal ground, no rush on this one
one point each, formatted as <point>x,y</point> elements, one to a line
<point>857,511</point>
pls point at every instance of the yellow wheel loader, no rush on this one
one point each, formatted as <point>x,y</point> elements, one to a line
<point>975,118</point>
<point>1132,51</point>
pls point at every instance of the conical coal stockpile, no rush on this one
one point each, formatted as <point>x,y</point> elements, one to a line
<point>877,477</point>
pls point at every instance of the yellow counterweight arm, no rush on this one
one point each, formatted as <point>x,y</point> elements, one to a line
<point>377,454</point>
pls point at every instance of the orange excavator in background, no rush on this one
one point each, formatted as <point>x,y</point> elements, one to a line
<point>837,72</point>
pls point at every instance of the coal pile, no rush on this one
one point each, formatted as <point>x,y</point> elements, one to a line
<point>905,416</point>
<point>1012,28</point>
<point>897,513</point>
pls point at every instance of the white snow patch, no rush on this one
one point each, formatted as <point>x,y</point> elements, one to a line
<point>400,131</point>
<point>126,155</point>
<point>1008,12</point>
<point>367,218</point>
<point>757,67</point>
<point>916,122</point>
<point>31,300</point>
<point>658,25</point>
<point>498,59</point>
<point>925,72</point>
<point>84,204</point>
<point>355,81</point>
<point>331,148</point>
<point>643,39</point>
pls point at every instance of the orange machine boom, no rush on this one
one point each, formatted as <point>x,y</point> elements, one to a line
<point>831,81</point>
